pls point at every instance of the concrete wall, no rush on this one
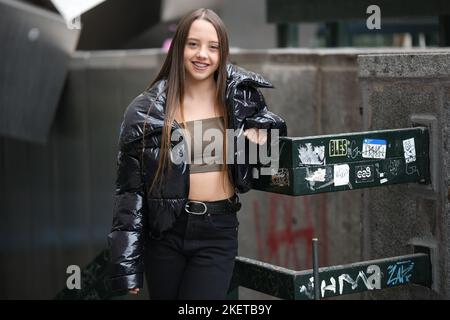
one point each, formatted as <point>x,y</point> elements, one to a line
<point>396,87</point>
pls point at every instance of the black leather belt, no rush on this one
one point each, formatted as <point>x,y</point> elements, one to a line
<point>229,205</point>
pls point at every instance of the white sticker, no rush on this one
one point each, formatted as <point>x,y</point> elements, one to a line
<point>318,175</point>
<point>341,174</point>
<point>364,174</point>
<point>310,154</point>
<point>374,149</point>
<point>383,180</point>
<point>410,150</point>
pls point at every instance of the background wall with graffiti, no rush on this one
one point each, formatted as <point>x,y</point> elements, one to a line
<point>315,94</point>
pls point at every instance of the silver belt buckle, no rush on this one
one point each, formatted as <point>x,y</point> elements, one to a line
<point>193,201</point>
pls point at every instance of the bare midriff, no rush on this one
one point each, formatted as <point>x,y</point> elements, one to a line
<point>210,186</point>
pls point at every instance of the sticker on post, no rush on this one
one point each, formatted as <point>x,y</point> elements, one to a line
<point>374,149</point>
<point>341,174</point>
<point>338,148</point>
<point>309,154</point>
<point>409,149</point>
<point>281,178</point>
<point>317,176</point>
<point>364,174</point>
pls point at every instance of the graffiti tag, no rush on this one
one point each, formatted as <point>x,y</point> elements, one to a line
<point>400,272</point>
<point>371,279</point>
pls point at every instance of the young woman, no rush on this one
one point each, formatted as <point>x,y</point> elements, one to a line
<point>176,220</point>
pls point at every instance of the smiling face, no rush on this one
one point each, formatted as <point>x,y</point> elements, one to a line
<point>201,51</point>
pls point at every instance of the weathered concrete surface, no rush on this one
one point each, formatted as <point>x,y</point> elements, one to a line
<point>394,88</point>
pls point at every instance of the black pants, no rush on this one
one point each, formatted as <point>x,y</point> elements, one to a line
<point>194,260</point>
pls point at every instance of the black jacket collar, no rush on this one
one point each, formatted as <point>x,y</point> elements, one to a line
<point>149,107</point>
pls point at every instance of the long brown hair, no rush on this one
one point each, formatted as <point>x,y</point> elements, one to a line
<point>173,71</point>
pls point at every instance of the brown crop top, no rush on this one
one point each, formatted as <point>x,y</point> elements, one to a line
<point>213,160</point>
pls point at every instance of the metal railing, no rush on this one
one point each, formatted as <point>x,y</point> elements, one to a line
<point>342,162</point>
<point>334,280</point>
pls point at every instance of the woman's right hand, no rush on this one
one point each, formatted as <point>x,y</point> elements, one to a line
<point>134,291</point>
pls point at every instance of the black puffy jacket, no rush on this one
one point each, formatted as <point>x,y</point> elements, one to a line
<point>139,214</point>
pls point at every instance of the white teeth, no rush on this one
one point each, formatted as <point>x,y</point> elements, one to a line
<point>201,65</point>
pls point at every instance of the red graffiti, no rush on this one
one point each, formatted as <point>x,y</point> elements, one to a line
<point>295,234</point>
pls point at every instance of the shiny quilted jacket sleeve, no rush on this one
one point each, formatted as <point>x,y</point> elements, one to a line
<point>262,118</point>
<point>126,238</point>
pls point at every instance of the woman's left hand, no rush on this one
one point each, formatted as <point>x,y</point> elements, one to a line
<point>258,136</point>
